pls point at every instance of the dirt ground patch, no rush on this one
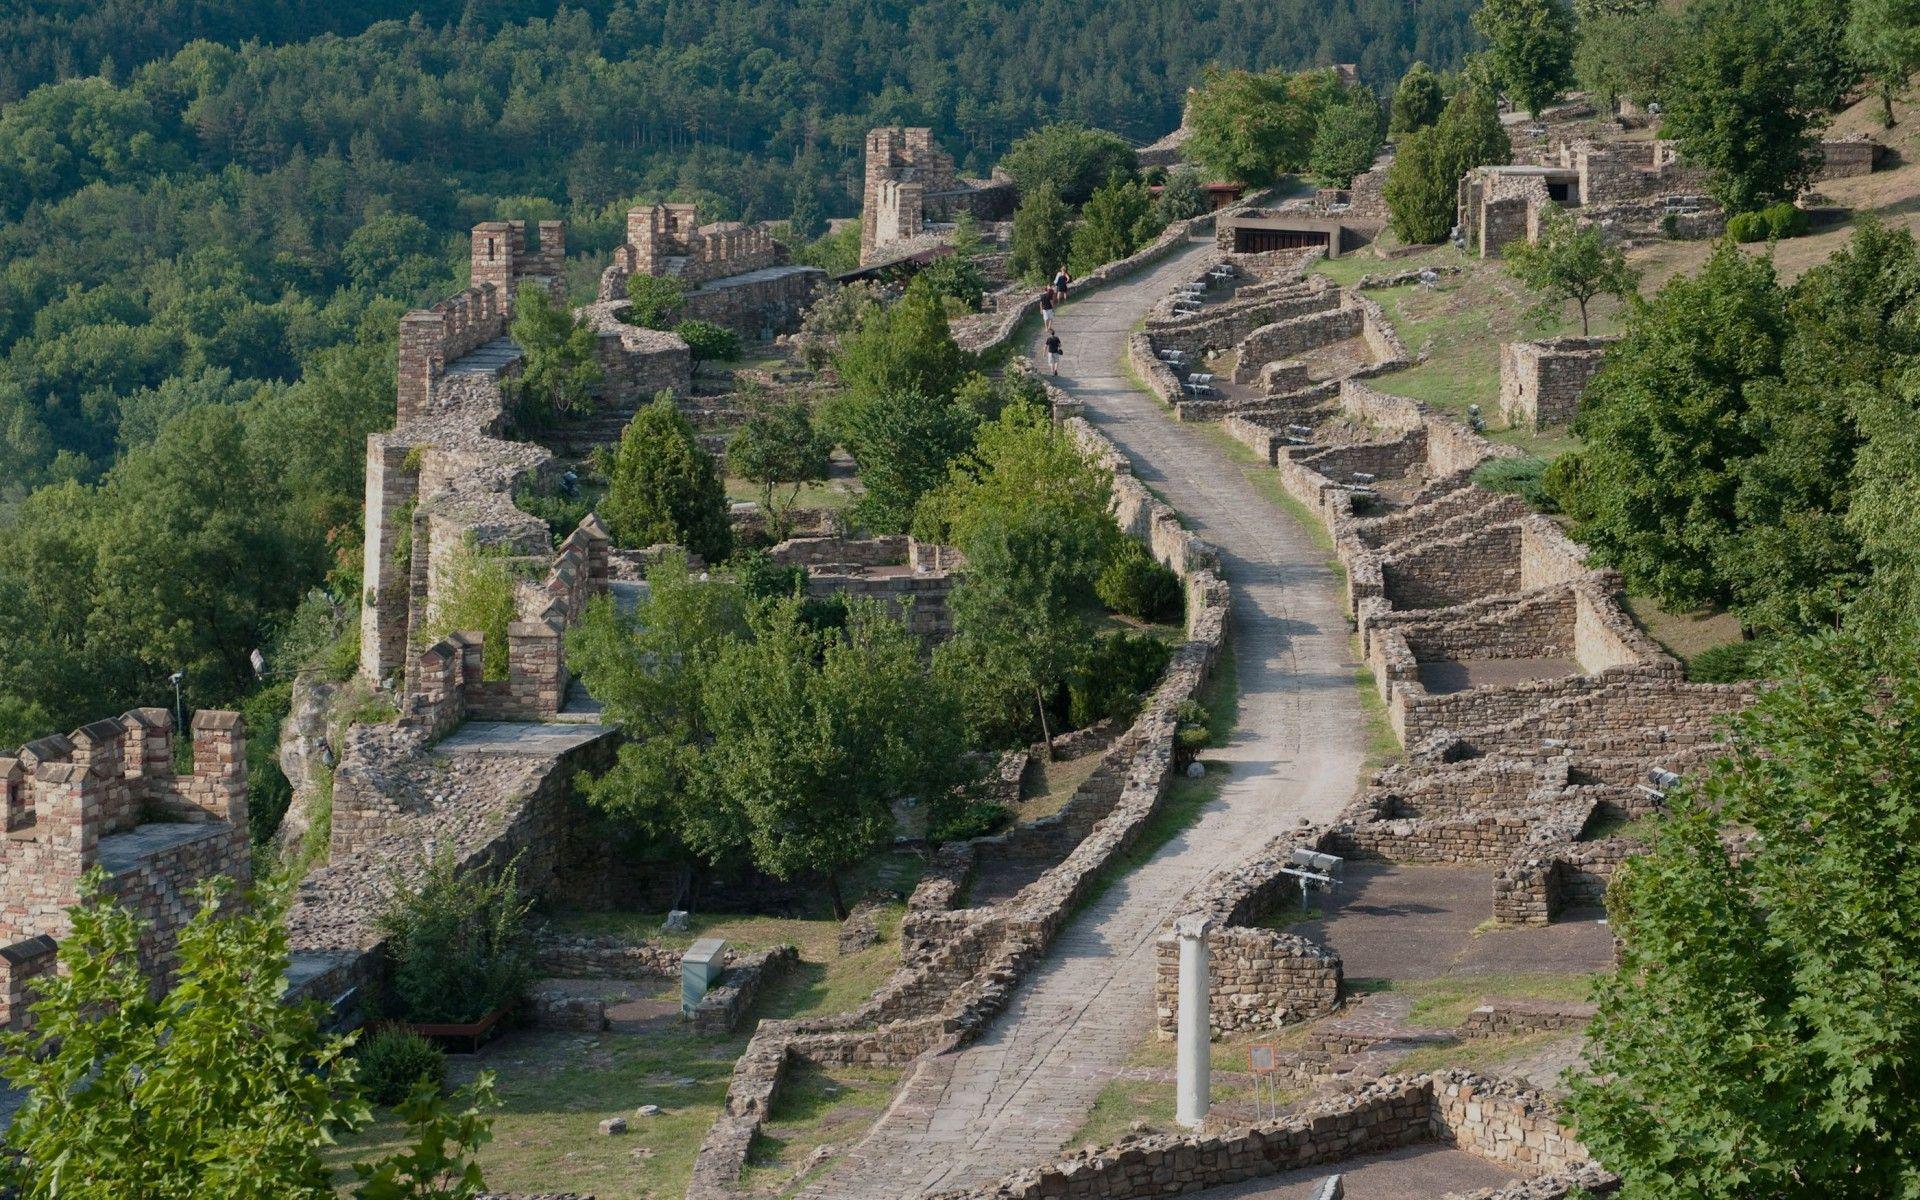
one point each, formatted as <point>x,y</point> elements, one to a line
<point>1400,922</point>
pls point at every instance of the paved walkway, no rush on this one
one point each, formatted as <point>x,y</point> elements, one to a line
<point>1017,1096</point>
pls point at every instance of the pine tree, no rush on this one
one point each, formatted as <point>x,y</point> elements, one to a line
<point>663,487</point>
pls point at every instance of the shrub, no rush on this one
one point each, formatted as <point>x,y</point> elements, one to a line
<point>562,513</point>
<point>393,1061</point>
<point>1523,477</point>
<point>1784,220</point>
<point>1136,585</point>
<point>1565,482</point>
<point>1193,732</point>
<point>1119,668</point>
<point>657,300</point>
<point>709,342</point>
<point>1732,663</point>
<point>478,593</point>
<point>1747,227</point>
<point>970,819</point>
<point>458,940</point>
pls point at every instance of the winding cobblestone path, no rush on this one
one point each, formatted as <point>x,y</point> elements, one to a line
<point>1016,1097</point>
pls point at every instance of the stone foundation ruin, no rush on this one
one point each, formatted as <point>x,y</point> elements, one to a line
<point>1630,188</point>
<point>1541,382</point>
<point>1501,1122</point>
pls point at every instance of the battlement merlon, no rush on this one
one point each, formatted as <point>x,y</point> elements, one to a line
<point>62,795</point>
<point>502,257</point>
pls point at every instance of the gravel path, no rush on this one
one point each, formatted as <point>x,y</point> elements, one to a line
<point>1016,1097</point>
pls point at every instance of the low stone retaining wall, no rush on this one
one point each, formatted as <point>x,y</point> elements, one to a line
<point>1501,1122</point>
<point>1505,1018</point>
<point>731,995</point>
<point>605,958</point>
<point>1257,979</point>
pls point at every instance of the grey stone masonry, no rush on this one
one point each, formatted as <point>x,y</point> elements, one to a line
<point>1541,382</point>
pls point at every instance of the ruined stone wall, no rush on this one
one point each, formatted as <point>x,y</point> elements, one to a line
<point>1455,570</point>
<point>1284,339</point>
<point>921,599</point>
<point>392,800</point>
<point>1843,157</point>
<point>1541,382</point>
<point>1502,1122</point>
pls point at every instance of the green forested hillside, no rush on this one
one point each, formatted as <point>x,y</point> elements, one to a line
<point>205,243</point>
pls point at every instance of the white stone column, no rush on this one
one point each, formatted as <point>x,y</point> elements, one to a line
<point>1195,1050</point>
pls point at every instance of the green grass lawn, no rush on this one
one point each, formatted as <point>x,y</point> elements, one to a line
<point>816,1107</point>
<point>1461,323</point>
<point>1047,786</point>
<point>555,1088</point>
<point>1444,1001</point>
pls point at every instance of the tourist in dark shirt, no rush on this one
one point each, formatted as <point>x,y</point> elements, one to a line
<point>1053,353</point>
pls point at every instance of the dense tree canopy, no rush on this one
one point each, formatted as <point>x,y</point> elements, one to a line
<point>1757,1038</point>
<point>206,204</point>
<point>1530,47</point>
<point>1253,127</point>
<point>1749,444</point>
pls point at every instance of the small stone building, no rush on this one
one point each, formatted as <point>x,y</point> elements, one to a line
<point>107,797</point>
<point>1541,382</point>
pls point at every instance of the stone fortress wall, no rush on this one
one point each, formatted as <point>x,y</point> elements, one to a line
<point>108,797</point>
<point>440,487</point>
<point>735,275</point>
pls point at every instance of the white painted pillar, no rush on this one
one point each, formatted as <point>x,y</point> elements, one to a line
<point>1195,1049</point>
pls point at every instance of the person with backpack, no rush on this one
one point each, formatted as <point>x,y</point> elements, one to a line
<point>1053,352</point>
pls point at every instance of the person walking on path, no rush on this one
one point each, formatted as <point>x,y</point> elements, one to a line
<point>1060,281</point>
<point>1046,309</point>
<point>1053,352</point>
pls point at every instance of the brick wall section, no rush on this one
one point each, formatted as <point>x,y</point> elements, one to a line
<point>1541,382</point>
<point>107,796</point>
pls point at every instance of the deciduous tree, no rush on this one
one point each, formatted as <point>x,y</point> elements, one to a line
<point>1756,1037</point>
<point>778,446</point>
<point>1570,262</point>
<point>1737,103</point>
<point>1531,42</point>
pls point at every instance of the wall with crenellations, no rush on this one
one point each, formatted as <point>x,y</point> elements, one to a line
<point>107,797</point>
